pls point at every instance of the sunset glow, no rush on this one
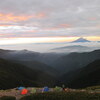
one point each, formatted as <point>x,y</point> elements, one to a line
<point>13,18</point>
<point>6,41</point>
<point>48,21</point>
<point>35,40</point>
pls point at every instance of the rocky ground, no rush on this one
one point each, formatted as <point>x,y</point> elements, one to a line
<point>17,93</point>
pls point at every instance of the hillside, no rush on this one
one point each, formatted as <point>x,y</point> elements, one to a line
<point>25,55</point>
<point>13,75</point>
<point>34,60</point>
<point>36,65</point>
<point>84,77</point>
<point>75,61</point>
<point>51,63</point>
<point>26,68</point>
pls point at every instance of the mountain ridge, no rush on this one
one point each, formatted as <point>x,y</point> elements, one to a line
<point>13,75</point>
<point>69,62</point>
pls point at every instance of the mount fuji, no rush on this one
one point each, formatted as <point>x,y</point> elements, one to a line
<point>81,40</point>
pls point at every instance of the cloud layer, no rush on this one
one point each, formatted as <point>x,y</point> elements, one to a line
<point>49,18</point>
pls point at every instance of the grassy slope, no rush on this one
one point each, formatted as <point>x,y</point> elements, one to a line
<point>75,61</point>
<point>63,96</point>
<point>87,76</point>
<point>13,75</point>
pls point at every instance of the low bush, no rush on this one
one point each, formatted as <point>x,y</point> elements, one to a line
<point>7,98</point>
<point>63,96</point>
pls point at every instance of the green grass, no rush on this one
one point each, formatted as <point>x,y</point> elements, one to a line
<point>63,96</point>
<point>93,88</point>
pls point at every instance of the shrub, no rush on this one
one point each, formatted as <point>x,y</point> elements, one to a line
<point>93,87</point>
<point>63,96</point>
<point>8,98</point>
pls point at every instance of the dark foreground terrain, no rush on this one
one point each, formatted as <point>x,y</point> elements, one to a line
<point>63,96</point>
<point>58,96</point>
<point>90,93</point>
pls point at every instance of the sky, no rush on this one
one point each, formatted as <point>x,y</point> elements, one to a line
<point>36,21</point>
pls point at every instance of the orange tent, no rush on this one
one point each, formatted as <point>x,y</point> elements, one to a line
<point>24,91</point>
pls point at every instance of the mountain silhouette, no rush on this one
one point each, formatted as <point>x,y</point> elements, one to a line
<point>81,40</point>
<point>74,61</point>
<point>84,77</point>
<point>13,75</point>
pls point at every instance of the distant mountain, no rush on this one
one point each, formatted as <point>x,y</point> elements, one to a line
<point>84,77</point>
<point>19,54</point>
<point>75,61</point>
<point>73,48</point>
<point>33,60</point>
<point>51,63</point>
<point>29,68</point>
<point>13,75</point>
<point>25,55</point>
<point>81,40</point>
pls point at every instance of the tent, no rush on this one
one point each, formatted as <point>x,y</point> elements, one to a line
<point>20,88</point>
<point>33,90</point>
<point>57,88</point>
<point>45,89</point>
<point>24,91</point>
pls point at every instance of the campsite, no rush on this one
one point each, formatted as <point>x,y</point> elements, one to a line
<point>46,93</point>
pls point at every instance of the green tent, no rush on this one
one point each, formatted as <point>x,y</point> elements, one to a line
<point>57,89</point>
<point>33,90</point>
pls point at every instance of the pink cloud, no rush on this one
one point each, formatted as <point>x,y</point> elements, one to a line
<point>65,25</point>
<point>40,15</point>
<point>10,17</point>
<point>93,18</point>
